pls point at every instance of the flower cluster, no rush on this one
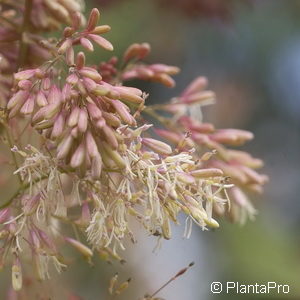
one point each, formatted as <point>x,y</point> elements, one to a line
<point>95,162</point>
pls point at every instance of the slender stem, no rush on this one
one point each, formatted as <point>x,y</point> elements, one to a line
<point>23,52</point>
<point>13,154</point>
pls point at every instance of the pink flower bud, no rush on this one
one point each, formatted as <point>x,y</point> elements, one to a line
<point>73,118</point>
<point>41,99</point>
<point>166,80</point>
<point>78,156</point>
<point>161,68</point>
<point>185,178</point>
<point>46,83</point>
<point>233,137</point>
<point>82,120</point>
<point>123,112</point>
<point>58,126</point>
<point>80,60</point>
<point>94,111</point>
<point>111,119</point>
<point>90,84</point>
<point>18,99</point>
<point>70,56</point>
<point>91,73</point>
<point>96,167</point>
<point>86,44</point>
<point>102,42</point>
<point>195,86</point>
<point>157,146</point>
<point>54,95</point>
<point>206,173</point>
<point>91,145</point>
<point>76,20</point>
<point>24,84</point>
<point>171,136</point>
<point>28,106</point>
<point>65,46</point>
<point>198,97</point>
<point>110,137</point>
<point>93,19</point>
<point>72,79</point>
<point>125,94</point>
<point>25,75</point>
<point>66,92</point>
<point>64,147</point>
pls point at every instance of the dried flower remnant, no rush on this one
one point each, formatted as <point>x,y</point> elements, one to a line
<point>94,163</point>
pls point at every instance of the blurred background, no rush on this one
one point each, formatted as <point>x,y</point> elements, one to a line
<point>250,52</point>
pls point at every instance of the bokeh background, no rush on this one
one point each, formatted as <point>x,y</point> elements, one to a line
<point>250,51</point>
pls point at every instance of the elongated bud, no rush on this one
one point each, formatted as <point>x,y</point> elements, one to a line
<point>234,137</point>
<point>41,99</point>
<point>91,145</point>
<point>64,147</point>
<point>196,85</point>
<point>58,126</point>
<point>68,31</point>
<point>206,173</point>
<point>54,95</point>
<point>78,156</point>
<point>18,99</point>
<point>84,250</point>
<point>17,280</point>
<point>93,19</point>
<point>24,84</point>
<point>70,56</point>
<point>76,20</point>
<point>110,136</point>
<point>72,79</point>
<point>80,60</point>
<point>82,120</point>
<point>125,94</point>
<point>200,97</point>
<point>161,68</point>
<point>102,42</point>
<point>28,106</point>
<point>64,46</point>
<point>46,83</point>
<point>111,119</point>
<point>86,44</point>
<point>25,75</point>
<point>157,146</point>
<point>123,112</point>
<point>185,178</point>
<point>94,111</point>
<point>73,118</point>
<point>91,74</point>
<point>101,29</point>
<point>96,167</point>
<point>45,113</point>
